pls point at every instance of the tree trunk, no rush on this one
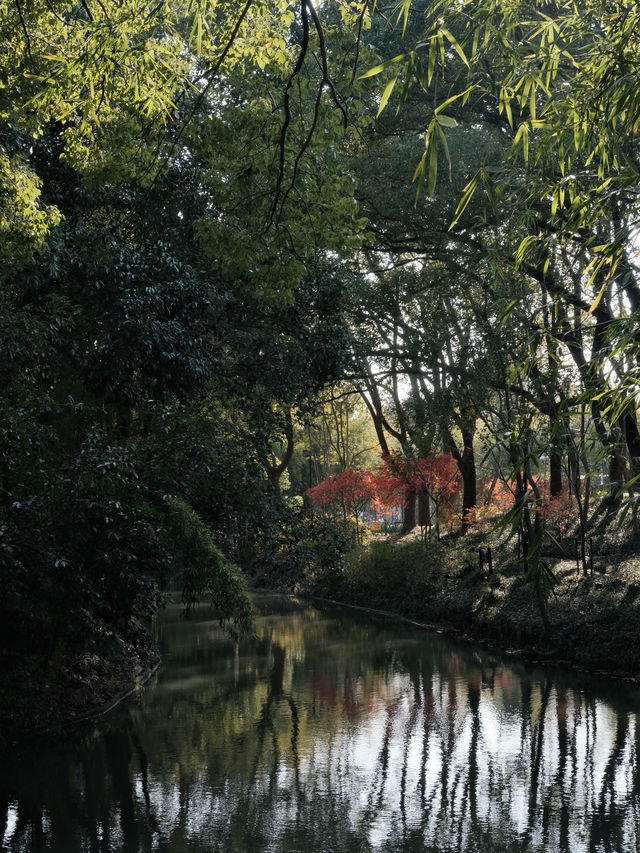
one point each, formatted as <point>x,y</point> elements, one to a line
<point>555,474</point>
<point>617,472</point>
<point>632,435</point>
<point>467,466</point>
<point>557,431</point>
<point>424,513</point>
<point>424,509</point>
<point>409,511</point>
<point>275,471</point>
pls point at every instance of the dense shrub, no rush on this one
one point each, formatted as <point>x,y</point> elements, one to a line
<point>306,552</point>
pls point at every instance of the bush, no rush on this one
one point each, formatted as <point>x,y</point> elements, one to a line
<point>560,514</point>
<point>306,551</point>
<point>385,574</point>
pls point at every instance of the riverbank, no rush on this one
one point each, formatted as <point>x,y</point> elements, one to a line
<point>40,696</point>
<point>595,619</point>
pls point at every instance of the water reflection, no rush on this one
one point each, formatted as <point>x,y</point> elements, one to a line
<point>336,732</point>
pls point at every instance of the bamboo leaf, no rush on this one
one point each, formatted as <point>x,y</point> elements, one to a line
<point>445,148</point>
<point>467,195</point>
<point>386,94</point>
<point>377,69</point>
<point>420,174</point>
<point>403,13</point>
<point>455,45</point>
<point>433,166</point>
<point>453,98</point>
<point>431,62</point>
<point>532,103</point>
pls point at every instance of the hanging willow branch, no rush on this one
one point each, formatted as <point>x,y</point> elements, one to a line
<point>26,33</point>
<point>304,47</point>
<point>356,58</point>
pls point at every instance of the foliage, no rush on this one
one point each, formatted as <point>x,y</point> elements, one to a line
<point>161,305</point>
<point>349,492</point>
<point>437,475</point>
<point>560,514</point>
<point>305,551</point>
<point>205,572</point>
<point>82,540</point>
<point>189,292</point>
<point>497,498</point>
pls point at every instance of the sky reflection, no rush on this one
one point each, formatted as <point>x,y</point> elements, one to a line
<point>332,731</point>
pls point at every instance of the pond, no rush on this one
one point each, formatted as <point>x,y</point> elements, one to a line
<point>334,730</point>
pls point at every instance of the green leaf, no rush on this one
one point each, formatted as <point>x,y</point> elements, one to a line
<point>446,121</point>
<point>377,69</point>
<point>522,135</point>
<point>445,148</point>
<point>453,98</point>
<point>467,195</point>
<point>403,13</point>
<point>524,246</point>
<point>507,311</point>
<point>386,94</point>
<point>419,175</point>
<point>433,166</point>
<point>455,45</point>
<point>431,62</point>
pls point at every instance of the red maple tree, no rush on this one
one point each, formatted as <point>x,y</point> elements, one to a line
<point>351,491</point>
<point>437,475</point>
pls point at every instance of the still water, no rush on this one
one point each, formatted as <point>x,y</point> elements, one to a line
<point>335,731</point>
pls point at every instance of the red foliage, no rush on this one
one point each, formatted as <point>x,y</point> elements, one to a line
<point>437,475</point>
<point>350,491</point>
<point>496,499</point>
<point>390,488</point>
<point>353,490</point>
<point>560,514</point>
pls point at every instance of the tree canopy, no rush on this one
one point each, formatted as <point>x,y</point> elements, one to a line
<point>222,224</point>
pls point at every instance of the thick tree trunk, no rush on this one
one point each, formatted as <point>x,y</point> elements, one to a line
<point>275,471</point>
<point>632,436</point>
<point>617,472</point>
<point>424,509</point>
<point>409,511</point>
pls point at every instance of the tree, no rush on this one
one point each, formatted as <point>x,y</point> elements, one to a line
<point>125,134</point>
<point>435,479</point>
<point>564,105</point>
<point>350,492</point>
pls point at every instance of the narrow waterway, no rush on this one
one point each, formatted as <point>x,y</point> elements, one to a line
<point>333,730</point>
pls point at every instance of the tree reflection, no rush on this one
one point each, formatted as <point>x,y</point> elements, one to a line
<point>336,733</point>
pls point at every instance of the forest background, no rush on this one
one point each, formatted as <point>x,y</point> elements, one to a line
<point>248,247</point>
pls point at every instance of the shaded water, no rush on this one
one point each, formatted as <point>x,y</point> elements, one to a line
<point>335,731</point>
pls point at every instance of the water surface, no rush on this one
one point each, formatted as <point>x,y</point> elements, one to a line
<point>335,731</point>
